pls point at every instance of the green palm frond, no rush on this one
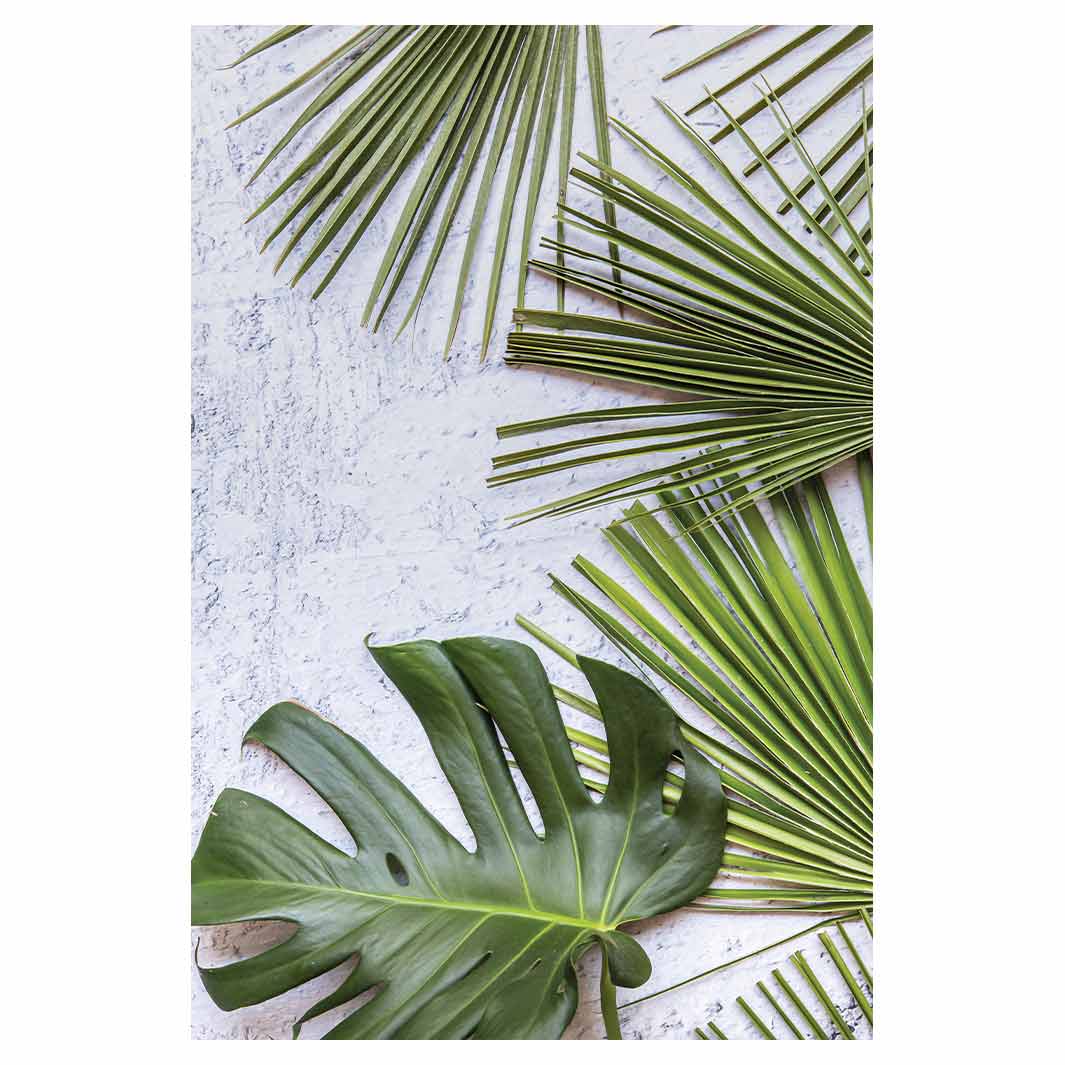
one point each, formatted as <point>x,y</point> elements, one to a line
<point>443,89</point>
<point>779,342</point>
<point>844,50</point>
<point>826,51</point>
<point>798,1010</point>
<point>779,659</point>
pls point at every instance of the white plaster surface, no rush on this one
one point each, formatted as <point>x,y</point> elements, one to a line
<point>338,490</point>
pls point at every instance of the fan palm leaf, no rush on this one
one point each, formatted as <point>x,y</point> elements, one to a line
<point>779,659</point>
<point>434,88</point>
<point>781,343</point>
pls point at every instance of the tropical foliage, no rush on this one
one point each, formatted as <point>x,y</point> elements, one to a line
<point>829,50</point>
<point>799,1014</point>
<point>780,660</point>
<point>442,87</point>
<point>779,341</point>
<point>763,625</point>
<point>461,945</point>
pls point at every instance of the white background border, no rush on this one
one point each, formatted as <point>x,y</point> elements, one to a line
<point>96,531</point>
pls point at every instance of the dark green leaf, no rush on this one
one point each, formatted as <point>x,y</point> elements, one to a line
<point>462,945</point>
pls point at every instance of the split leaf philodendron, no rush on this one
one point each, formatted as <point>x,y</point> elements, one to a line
<point>462,945</point>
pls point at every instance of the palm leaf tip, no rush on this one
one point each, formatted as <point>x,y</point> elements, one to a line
<point>279,36</point>
<point>798,1009</point>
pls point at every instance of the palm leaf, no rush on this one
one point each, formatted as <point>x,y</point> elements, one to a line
<point>838,150</point>
<point>461,945</point>
<point>798,1010</point>
<point>438,88</point>
<point>711,53</point>
<point>845,50</point>
<point>779,659</point>
<point>828,51</point>
<point>781,343</point>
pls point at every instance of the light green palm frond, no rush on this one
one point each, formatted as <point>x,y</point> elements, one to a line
<point>810,1011</point>
<point>779,341</point>
<point>460,93</point>
<point>778,658</point>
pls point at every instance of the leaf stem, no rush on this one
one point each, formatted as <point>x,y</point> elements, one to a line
<point>608,1002</point>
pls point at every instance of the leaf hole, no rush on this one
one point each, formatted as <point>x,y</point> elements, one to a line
<point>396,868</point>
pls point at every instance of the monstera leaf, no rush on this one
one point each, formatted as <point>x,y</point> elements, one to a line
<point>461,945</point>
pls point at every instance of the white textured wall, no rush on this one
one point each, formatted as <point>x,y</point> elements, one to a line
<point>338,489</point>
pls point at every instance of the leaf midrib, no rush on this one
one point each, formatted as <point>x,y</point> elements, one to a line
<point>544,916</point>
